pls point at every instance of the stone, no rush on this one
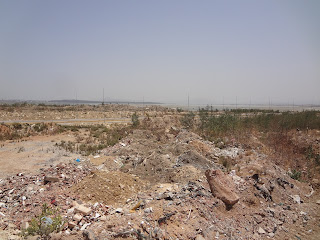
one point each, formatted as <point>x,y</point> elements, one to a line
<point>119,210</point>
<point>148,210</point>
<point>271,234</point>
<point>84,226</point>
<point>82,209</point>
<point>77,217</point>
<point>199,237</point>
<point>257,218</point>
<point>296,198</point>
<point>24,225</point>
<point>88,235</point>
<point>318,202</point>
<point>261,230</point>
<point>222,187</point>
<point>72,224</point>
<point>70,211</point>
<point>48,179</point>
<point>37,237</point>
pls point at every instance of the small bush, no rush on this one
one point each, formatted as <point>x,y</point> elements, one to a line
<point>188,120</point>
<point>47,222</point>
<point>296,175</point>
<point>135,120</point>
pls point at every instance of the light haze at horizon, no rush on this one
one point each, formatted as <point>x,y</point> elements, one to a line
<point>215,51</point>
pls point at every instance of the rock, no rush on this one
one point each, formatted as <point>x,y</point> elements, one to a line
<point>222,187</point>
<point>296,198</point>
<point>37,237</point>
<point>318,202</point>
<point>72,224</point>
<point>48,179</point>
<point>70,210</point>
<point>257,218</point>
<point>84,226</point>
<point>271,234</point>
<point>119,210</point>
<point>82,209</point>
<point>88,235</point>
<point>148,210</point>
<point>261,230</point>
<point>13,237</point>
<point>55,236</point>
<point>77,217</point>
<point>24,225</point>
<point>199,237</point>
<point>103,218</point>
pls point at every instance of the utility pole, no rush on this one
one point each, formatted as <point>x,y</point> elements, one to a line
<point>223,103</point>
<point>236,102</point>
<point>103,96</point>
<point>188,102</point>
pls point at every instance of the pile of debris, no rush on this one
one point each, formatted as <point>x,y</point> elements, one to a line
<point>168,187</point>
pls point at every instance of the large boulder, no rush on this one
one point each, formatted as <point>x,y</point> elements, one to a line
<point>222,187</point>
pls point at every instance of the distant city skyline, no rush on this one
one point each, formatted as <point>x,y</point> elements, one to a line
<point>217,52</point>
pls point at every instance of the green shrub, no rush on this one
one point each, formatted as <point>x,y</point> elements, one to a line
<point>187,120</point>
<point>135,120</point>
<point>296,175</point>
<point>47,222</point>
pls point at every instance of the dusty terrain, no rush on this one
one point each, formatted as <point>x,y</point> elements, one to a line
<point>152,184</point>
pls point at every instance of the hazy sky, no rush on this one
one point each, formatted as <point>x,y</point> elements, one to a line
<point>161,50</point>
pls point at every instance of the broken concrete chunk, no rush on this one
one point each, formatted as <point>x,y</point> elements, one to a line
<point>77,217</point>
<point>261,230</point>
<point>72,224</point>
<point>48,179</point>
<point>24,225</point>
<point>199,237</point>
<point>119,210</point>
<point>222,187</point>
<point>296,198</point>
<point>88,235</point>
<point>84,210</point>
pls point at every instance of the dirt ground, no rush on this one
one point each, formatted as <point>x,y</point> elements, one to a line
<point>30,154</point>
<point>151,185</point>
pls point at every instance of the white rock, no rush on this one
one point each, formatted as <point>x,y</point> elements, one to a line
<point>271,234</point>
<point>84,226</point>
<point>148,210</point>
<point>296,198</point>
<point>261,230</point>
<point>119,210</point>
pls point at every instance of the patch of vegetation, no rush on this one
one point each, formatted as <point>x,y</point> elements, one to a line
<point>40,127</point>
<point>99,138</point>
<point>228,163</point>
<point>135,120</point>
<point>296,175</point>
<point>188,120</point>
<point>233,123</point>
<point>47,222</point>
<point>312,155</point>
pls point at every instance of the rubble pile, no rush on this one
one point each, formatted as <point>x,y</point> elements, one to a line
<point>165,183</point>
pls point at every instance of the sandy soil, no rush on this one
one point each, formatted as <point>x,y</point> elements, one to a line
<point>31,154</point>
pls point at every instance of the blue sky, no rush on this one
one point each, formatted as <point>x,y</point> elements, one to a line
<point>161,50</point>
